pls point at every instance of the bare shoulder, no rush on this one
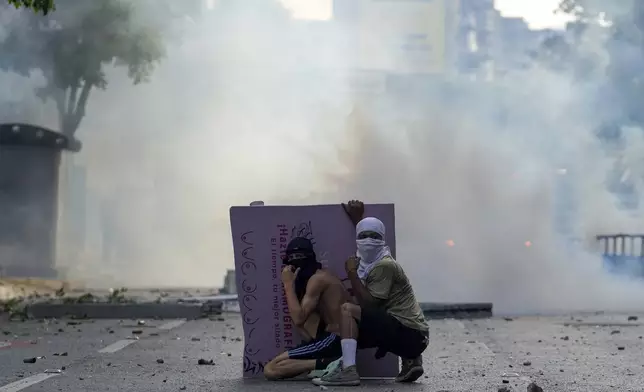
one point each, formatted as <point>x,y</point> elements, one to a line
<point>327,275</point>
<point>319,280</point>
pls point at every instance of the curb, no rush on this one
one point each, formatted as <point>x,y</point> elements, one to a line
<point>437,310</point>
<point>124,311</point>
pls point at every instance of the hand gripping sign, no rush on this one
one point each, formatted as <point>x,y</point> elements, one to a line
<point>260,235</point>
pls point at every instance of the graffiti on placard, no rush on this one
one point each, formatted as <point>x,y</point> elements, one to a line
<point>248,288</point>
<point>304,229</point>
<point>252,367</point>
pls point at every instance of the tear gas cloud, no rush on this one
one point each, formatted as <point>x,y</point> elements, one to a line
<point>242,109</point>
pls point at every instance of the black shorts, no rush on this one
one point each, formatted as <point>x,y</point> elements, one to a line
<point>324,346</point>
<point>377,328</point>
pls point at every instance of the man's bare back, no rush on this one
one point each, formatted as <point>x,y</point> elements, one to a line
<point>333,295</point>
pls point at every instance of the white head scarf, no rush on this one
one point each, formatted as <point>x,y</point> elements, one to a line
<point>370,251</point>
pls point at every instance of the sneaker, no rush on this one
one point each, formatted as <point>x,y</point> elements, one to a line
<point>411,370</point>
<point>318,373</point>
<point>339,376</point>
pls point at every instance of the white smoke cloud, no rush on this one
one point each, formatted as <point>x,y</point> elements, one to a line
<point>244,109</point>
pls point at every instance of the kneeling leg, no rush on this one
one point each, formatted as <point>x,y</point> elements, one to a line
<point>282,367</point>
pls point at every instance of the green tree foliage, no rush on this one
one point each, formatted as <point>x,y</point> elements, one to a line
<point>44,6</point>
<point>72,47</point>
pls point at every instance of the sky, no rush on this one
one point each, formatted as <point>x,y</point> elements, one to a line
<point>538,13</point>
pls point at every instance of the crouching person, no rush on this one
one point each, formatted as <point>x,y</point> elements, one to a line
<point>387,316</point>
<point>312,293</point>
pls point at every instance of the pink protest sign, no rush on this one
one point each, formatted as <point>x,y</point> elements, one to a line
<point>260,236</point>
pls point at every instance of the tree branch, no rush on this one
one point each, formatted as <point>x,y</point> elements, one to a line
<point>77,112</point>
<point>71,100</point>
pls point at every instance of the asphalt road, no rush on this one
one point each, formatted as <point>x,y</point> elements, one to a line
<point>594,352</point>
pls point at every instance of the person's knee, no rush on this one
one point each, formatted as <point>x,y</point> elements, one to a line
<point>351,310</point>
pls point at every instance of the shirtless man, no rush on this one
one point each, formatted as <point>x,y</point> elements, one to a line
<point>310,292</point>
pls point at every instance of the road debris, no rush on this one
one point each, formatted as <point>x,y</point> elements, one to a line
<point>533,387</point>
<point>32,359</point>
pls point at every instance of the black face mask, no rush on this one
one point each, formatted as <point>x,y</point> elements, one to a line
<point>300,254</point>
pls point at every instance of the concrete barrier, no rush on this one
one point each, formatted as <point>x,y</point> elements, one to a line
<point>124,311</point>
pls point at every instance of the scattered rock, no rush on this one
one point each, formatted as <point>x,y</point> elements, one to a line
<point>527,363</point>
<point>182,388</point>
<point>504,389</point>
<point>508,319</point>
<point>565,338</point>
<point>30,360</point>
<point>205,362</point>
<point>61,354</point>
<point>154,334</point>
<point>505,381</point>
<point>615,332</point>
<point>140,322</point>
<point>238,339</point>
<point>533,387</point>
<point>160,360</point>
<point>195,339</point>
<point>137,332</point>
<point>632,318</point>
<point>621,348</point>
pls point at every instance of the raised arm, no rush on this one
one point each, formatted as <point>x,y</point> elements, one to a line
<point>300,312</point>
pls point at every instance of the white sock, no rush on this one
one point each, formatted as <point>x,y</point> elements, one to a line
<point>349,347</point>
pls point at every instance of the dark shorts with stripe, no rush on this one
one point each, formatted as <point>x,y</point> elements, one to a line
<point>324,346</point>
